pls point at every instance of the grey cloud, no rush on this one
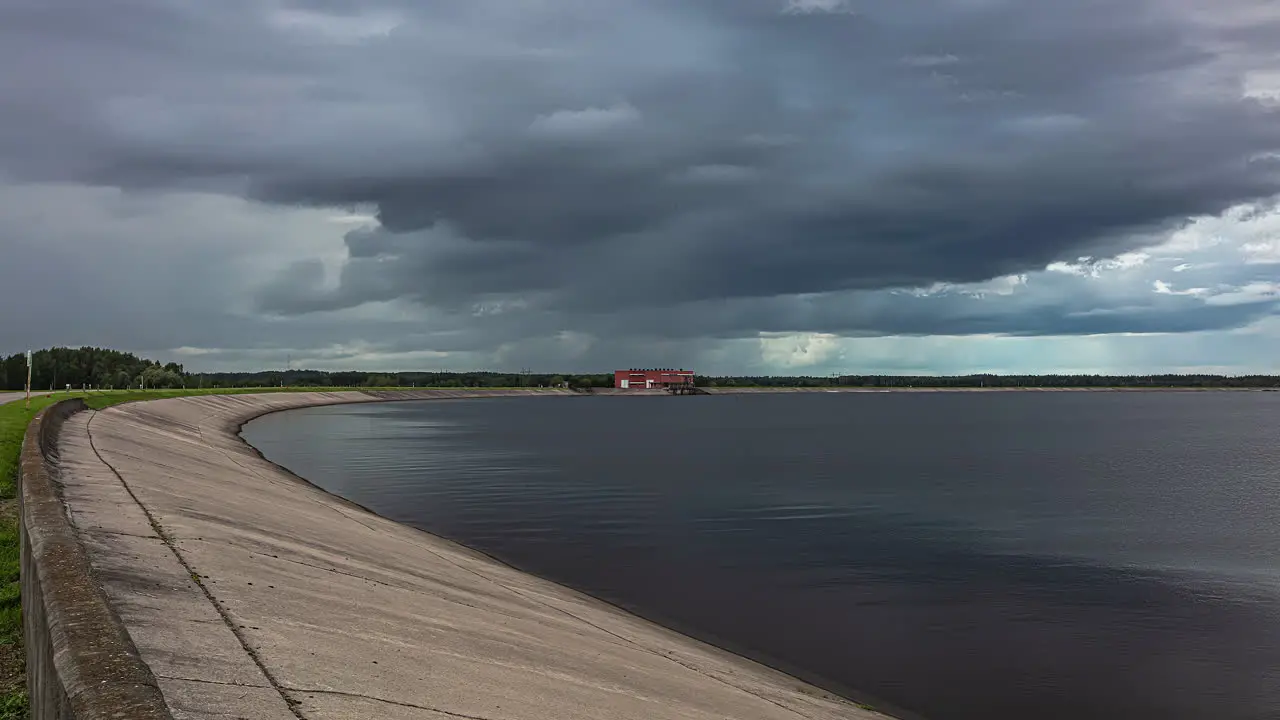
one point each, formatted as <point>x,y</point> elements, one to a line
<point>600,167</point>
<point>896,176</point>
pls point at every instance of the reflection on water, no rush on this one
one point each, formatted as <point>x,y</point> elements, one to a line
<point>998,555</point>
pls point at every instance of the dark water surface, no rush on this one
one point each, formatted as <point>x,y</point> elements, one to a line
<point>994,555</point>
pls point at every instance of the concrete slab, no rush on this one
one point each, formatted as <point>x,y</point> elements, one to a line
<point>281,595</point>
<point>189,700</point>
<point>176,629</point>
<point>346,707</point>
<point>178,632</point>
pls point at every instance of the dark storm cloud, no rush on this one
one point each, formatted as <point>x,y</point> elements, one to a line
<point>1018,135</point>
<point>597,160</point>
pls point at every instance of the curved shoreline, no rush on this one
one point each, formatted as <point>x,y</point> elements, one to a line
<point>850,694</point>
<point>499,643</point>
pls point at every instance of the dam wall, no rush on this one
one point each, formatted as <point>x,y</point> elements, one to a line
<point>81,662</point>
<point>175,573</point>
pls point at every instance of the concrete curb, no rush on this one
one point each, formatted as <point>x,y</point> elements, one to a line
<point>81,662</point>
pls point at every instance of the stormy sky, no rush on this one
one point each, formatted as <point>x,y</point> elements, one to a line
<point>738,186</point>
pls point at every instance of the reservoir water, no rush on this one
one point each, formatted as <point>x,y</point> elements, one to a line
<point>949,555</point>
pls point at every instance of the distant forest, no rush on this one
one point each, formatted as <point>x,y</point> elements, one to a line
<point>111,369</point>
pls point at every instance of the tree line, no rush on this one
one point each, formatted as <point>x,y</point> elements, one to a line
<point>55,368</point>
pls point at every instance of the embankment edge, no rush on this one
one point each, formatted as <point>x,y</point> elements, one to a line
<point>236,428</point>
<point>81,662</point>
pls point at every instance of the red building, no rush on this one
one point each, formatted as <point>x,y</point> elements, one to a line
<point>645,379</point>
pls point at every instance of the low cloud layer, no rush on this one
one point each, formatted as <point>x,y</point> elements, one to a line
<point>576,184</point>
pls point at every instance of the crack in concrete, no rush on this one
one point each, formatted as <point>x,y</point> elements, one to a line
<point>335,571</point>
<point>214,682</point>
<point>403,588</point>
<point>226,618</point>
<point>392,702</point>
<point>104,531</point>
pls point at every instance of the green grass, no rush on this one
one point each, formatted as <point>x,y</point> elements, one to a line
<point>14,418</point>
<point>14,706</point>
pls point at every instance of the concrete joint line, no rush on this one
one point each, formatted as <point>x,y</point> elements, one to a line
<point>103,531</point>
<point>392,702</point>
<point>168,542</point>
<point>214,682</point>
<point>336,571</point>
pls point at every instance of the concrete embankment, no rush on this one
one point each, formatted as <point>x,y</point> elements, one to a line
<point>236,590</point>
<point>81,661</point>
